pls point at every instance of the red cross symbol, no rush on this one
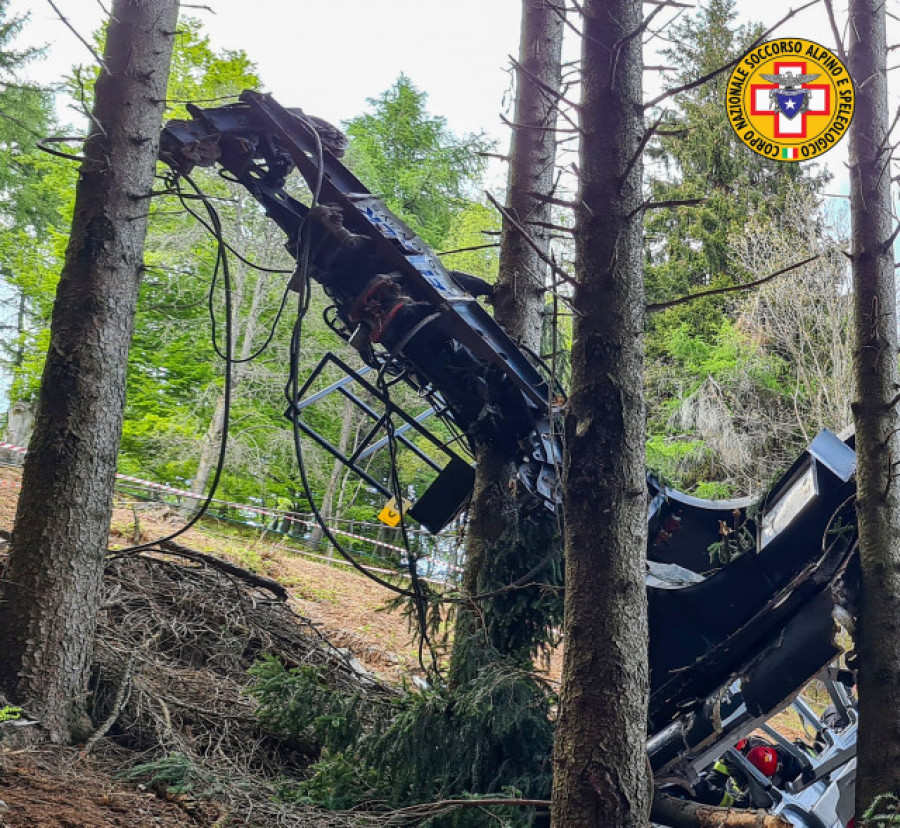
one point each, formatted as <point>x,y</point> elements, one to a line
<point>784,127</point>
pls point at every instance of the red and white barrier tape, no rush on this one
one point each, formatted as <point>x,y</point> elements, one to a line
<point>162,487</point>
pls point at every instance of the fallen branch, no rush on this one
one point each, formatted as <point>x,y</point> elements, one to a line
<point>121,697</point>
<point>681,813</point>
<point>658,306</point>
<point>234,570</point>
<point>416,814</point>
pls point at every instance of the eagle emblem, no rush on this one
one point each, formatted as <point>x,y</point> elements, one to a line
<point>789,99</point>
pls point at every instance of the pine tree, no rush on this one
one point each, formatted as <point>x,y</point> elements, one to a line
<point>875,409</point>
<point>510,531</point>
<point>599,754</point>
<point>413,162</point>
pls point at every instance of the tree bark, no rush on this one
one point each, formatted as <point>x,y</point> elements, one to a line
<point>518,296</point>
<point>600,753</point>
<point>52,580</point>
<point>875,413</point>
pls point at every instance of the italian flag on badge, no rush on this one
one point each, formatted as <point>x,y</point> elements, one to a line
<point>790,153</point>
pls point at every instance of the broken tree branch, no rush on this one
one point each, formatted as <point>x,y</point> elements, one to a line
<point>75,32</point>
<point>228,568</point>
<point>660,205</point>
<point>659,306</point>
<point>557,270</point>
<point>645,138</point>
<point>682,813</point>
<point>838,40</point>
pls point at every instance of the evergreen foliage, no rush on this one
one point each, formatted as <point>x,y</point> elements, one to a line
<point>35,198</point>
<point>523,575</point>
<point>690,248</point>
<point>413,162</point>
<point>728,404</point>
<point>491,736</point>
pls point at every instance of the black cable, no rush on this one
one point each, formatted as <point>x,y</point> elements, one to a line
<point>420,597</point>
<point>234,252</point>
<point>222,248</point>
<point>221,258</point>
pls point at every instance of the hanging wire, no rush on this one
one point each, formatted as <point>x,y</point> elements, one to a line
<point>215,229</point>
<point>420,590</point>
<point>221,261</point>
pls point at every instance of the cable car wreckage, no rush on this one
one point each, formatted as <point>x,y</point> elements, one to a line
<point>728,649</point>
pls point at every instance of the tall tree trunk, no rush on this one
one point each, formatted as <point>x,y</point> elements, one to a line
<point>875,412</point>
<point>600,752</point>
<point>52,581</point>
<point>495,509</point>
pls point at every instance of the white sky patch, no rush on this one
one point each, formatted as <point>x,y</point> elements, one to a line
<point>329,56</point>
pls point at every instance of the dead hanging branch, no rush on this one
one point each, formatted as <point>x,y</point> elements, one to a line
<point>553,95</point>
<point>685,87</point>
<point>75,32</point>
<point>474,247</point>
<point>645,138</point>
<point>548,260</point>
<point>536,128</point>
<point>619,44</point>
<point>558,202</point>
<point>660,205</point>
<point>838,40</point>
<point>660,306</point>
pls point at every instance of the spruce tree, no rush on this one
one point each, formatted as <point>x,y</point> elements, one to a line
<point>700,157</point>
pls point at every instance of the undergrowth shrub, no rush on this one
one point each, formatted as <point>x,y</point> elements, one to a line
<point>490,736</point>
<point>174,773</point>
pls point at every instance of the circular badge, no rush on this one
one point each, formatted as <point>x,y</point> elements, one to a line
<point>790,99</point>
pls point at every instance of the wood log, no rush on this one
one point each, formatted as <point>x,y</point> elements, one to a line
<point>260,581</point>
<point>681,813</point>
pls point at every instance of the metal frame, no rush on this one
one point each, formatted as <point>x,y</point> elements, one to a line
<point>366,448</point>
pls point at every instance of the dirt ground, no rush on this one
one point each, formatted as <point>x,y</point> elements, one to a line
<point>55,788</point>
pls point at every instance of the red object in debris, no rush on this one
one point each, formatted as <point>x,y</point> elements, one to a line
<point>764,759</point>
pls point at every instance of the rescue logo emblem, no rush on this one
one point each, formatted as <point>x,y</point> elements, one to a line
<point>790,99</point>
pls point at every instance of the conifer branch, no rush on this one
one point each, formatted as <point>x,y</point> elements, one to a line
<point>838,40</point>
<point>645,138</point>
<point>548,260</point>
<point>659,205</point>
<point>659,306</point>
<point>75,32</point>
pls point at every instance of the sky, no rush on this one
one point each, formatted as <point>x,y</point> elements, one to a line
<point>329,56</point>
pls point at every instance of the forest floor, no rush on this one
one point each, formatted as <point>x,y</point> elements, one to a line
<point>69,788</point>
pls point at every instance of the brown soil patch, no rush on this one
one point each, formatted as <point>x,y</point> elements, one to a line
<point>54,788</point>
